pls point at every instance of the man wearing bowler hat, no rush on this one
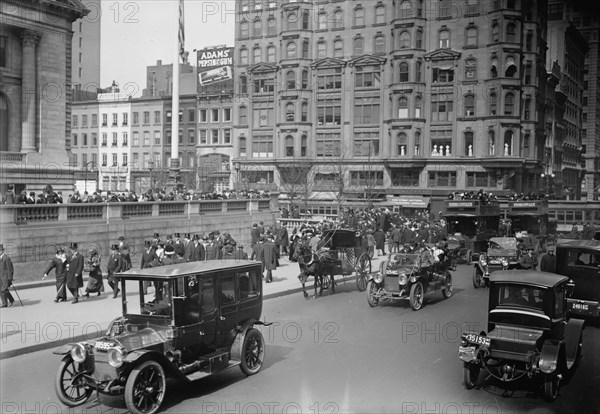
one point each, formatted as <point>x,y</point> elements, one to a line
<point>75,272</point>
<point>6,278</point>
<point>115,265</point>
<point>178,245</point>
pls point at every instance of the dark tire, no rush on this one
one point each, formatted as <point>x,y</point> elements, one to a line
<point>417,296</point>
<point>253,352</point>
<point>447,291</point>
<point>470,375</point>
<point>145,388</point>
<point>551,383</point>
<point>363,268</point>
<point>371,291</point>
<point>469,254</point>
<point>71,393</point>
<point>477,278</point>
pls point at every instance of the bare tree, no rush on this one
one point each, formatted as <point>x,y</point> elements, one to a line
<point>370,179</point>
<point>296,180</point>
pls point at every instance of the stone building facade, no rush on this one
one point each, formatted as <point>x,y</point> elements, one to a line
<point>35,92</point>
<point>421,97</point>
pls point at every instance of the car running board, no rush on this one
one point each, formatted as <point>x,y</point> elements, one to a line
<point>211,363</point>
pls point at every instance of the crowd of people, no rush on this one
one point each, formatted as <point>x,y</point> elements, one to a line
<point>481,195</point>
<point>49,196</point>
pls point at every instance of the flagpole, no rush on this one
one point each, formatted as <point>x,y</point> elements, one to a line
<point>174,171</point>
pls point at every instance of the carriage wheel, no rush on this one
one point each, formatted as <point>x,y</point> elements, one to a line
<point>363,268</point>
<point>326,281</point>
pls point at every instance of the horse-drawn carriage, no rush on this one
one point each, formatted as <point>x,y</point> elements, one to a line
<point>339,252</point>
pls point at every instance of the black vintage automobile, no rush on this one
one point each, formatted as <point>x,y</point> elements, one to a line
<point>529,333</point>
<point>199,320</point>
<point>409,276</point>
<point>580,260</point>
<point>502,254</point>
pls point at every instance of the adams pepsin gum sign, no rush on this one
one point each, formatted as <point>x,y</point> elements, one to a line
<point>214,58</point>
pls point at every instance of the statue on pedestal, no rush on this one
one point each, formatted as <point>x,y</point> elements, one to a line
<point>470,151</point>
<point>448,150</point>
<point>506,148</point>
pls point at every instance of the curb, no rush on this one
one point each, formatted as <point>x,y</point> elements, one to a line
<point>55,344</point>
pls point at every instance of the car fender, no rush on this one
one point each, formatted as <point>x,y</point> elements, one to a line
<point>479,266</point>
<point>573,332</point>
<point>139,356</point>
<point>549,356</point>
<point>238,342</point>
<point>63,350</point>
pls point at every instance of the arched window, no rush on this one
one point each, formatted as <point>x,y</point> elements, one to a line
<point>495,32</point>
<point>401,144</point>
<point>527,109</point>
<point>471,34</point>
<point>359,16</point>
<point>271,26</point>
<point>419,71</point>
<point>304,79</point>
<point>511,67</point>
<point>491,143</point>
<point>290,112</point>
<point>419,41</point>
<point>469,142</point>
<point>509,103</point>
<point>338,19</point>
<point>290,50</point>
<point>305,49</point>
<point>321,49</point>
<point>418,106</point>
<point>404,40</point>
<point>271,54</point>
<point>243,56</point>
<point>244,27</point>
<point>242,146</point>
<point>358,46</point>
<point>417,144</point>
<point>494,68</point>
<point>292,21</point>
<point>493,103</point>
<point>405,10</point>
<point>290,80</point>
<point>444,39</point>
<point>403,107</point>
<point>243,115</point>
<point>303,145</point>
<point>257,27</point>
<point>289,146</point>
<point>470,69</point>
<point>508,143</point>
<point>304,113</point>
<point>243,84</point>
<point>379,14</point>
<point>403,72</point>
<point>470,105</point>
<point>256,55</point>
<point>305,20</point>
<point>322,20</point>
<point>526,146</point>
<point>379,44</point>
<point>511,32</point>
<point>338,48</point>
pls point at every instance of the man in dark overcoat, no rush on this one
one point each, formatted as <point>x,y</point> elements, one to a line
<point>254,236</point>
<point>198,253</point>
<point>268,256</point>
<point>6,278</point>
<point>115,265</point>
<point>125,253</point>
<point>240,254</point>
<point>548,262</point>
<point>75,272</point>
<point>59,264</point>
<point>213,250</point>
<point>380,241</point>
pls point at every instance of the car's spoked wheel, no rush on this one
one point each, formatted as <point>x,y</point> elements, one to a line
<point>372,294</point>
<point>145,388</point>
<point>477,278</point>
<point>70,387</point>
<point>551,382</point>
<point>253,352</point>
<point>447,290</point>
<point>416,296</point>
<point>470,375</point>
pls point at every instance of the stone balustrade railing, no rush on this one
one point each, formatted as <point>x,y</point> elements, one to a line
<point>39,213</point>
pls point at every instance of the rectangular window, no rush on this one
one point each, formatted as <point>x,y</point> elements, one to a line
<point>146,118</point>
<point>136,139</point>
<point>94,120</point>
<point>74,140</point>
<point>125,136</point>
<point>226,114</point>
<point>214,115</point>
<point>262,146</point>
<point>214,136</point>
<point>84,119</point>
<point>104,160</point>
<point>441,142</point>
<point>115,119</point>
<point>115,160</point>
<point>169,114</point>
<point>481,180</point>
<point>329,111</point>
<point>405,178</point>
<point>328,144</point>
<point>75,122</point>
<point>366,178</point>
<point>191,115</point>
<point>125,118</point>
<point>180,115</point>
<point>329,79</point>
<point>94,139</point>
<point>104,119</point>
<point>84,161</point>
<point>192,136</point>
<point>115,139</point>
<point>136,118</point>
<point>203,115</point>
<point>124,160</point>
<point>94,160</point>
<point>104,139</point>
<point>441,179</point>
<point>168,138</point>
<point>367,77</point>
<point>264,84</point>
<point>366,110</point>
<point>227,136</point>
<point>180,137</point>
<point>264,114</point>
<point>3,49</point>
<point>135,160</point>
<point>442,108</point>
<point>366,144</point>
<point>156,137</point>
<point>443,75</point>
<point>157,117</point>
<point>146,138</point>
<point>203,136</point>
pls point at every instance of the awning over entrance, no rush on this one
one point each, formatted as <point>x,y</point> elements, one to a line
<point>408,201</point>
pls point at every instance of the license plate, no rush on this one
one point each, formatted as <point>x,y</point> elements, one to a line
<point>581,306</point>
<point>479,340</point>
<point>494,261</point>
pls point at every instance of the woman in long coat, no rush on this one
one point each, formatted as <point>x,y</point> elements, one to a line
<point>92,265</point>
<point>59,264</point>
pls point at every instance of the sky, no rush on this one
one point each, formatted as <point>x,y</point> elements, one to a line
<point>136,34</point>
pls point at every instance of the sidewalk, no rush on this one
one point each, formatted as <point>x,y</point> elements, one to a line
<point>43,324</point>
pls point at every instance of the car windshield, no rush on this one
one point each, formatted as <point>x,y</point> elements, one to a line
<point>403,260</point>
<point>156,301</point>
<point>503,243</point>
<point>524,296</point>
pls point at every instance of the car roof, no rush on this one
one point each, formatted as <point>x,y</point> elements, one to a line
<point>587,244</point>
<point>527,277</point>
<point>174,271</point>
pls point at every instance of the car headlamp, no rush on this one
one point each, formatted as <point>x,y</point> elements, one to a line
<point>79,353</point>
<point>402,280</point>
<point>115,357</point>
<point>378,277</point>
<point>504,262</point>
<point>483,260</point>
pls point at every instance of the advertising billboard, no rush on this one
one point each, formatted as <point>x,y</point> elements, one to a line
<point>214,65</point>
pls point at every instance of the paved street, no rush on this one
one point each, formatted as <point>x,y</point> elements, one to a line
<point>336,354</point>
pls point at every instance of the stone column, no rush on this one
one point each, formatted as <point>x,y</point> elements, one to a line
<point>28,91</point>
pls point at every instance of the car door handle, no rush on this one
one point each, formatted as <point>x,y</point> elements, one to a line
<point>222,318</point>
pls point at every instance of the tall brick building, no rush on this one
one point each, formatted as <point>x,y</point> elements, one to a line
<point>421,97</point>
<point>35,84</point>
